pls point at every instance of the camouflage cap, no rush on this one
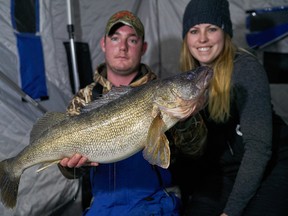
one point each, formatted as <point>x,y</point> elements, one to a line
<point>127,18</point>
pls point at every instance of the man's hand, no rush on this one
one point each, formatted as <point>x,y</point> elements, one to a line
<point>77,161</point>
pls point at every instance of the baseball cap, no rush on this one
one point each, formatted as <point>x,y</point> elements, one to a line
<point>127,18</point>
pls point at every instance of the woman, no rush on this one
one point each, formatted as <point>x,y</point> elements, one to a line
<point>238,115</point>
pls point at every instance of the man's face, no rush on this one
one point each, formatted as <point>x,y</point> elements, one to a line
<point>123,50</point>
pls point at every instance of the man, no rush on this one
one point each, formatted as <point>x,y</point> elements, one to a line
<point>132,186</point>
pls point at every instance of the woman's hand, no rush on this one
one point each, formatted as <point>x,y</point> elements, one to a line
<point>77,161</point>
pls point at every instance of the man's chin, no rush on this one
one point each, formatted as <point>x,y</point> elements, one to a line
<point>123,70</point>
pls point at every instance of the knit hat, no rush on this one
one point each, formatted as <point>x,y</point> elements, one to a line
<point>215,12</point>
<point>126,18</point>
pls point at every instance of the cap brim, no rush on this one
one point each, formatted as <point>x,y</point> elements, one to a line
<point>124,23</point>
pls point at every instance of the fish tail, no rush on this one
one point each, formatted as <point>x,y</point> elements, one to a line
<point>9,184</point>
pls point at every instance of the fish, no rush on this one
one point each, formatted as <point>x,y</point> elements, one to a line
<point>112,128</point>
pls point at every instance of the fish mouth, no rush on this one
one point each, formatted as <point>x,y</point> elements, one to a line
<point>204,77</point>
<point>206,74</point>
<point>191,106</point>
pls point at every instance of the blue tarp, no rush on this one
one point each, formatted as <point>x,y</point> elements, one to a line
<point>29,45</point>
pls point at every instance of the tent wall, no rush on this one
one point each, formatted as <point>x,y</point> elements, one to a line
<point>162,19</point>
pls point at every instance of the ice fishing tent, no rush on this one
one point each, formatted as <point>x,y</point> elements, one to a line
<point>37,73</point>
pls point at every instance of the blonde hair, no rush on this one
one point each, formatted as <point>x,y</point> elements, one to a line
<point>219,90</point>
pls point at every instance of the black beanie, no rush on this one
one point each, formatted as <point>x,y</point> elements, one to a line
<point>215,12</point>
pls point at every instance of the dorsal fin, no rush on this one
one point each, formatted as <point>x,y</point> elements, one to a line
<point>48,120</point>
<point>114,93</point>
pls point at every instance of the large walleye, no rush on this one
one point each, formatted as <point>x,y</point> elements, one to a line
<point>112,131</point>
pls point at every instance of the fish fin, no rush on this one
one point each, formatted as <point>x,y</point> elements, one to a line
<point>113,94</point>
<point>157,150</point>
<point>9,184</point>
<point>46,165</point>
<point>45,122</point>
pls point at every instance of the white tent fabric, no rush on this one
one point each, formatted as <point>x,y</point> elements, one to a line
<point>46,192</point>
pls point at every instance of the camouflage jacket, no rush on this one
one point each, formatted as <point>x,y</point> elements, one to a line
<point>85,95</point>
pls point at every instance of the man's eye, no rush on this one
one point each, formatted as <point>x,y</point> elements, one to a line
<point>134,41</point>
<point>114,38</point>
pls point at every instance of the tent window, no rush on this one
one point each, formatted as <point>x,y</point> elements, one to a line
<point>24,15</point>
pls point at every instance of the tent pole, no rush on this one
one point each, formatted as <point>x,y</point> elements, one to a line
<point>70,29</point>
<point>17,89</point>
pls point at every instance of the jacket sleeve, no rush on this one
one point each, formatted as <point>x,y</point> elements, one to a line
<point>252,97</point>
<point>83,96</point>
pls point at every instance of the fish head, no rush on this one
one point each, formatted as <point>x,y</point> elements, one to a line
<point>195,83</point>
<point>186,93</point>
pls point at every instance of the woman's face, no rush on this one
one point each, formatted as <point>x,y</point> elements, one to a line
<point>205,43</point>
